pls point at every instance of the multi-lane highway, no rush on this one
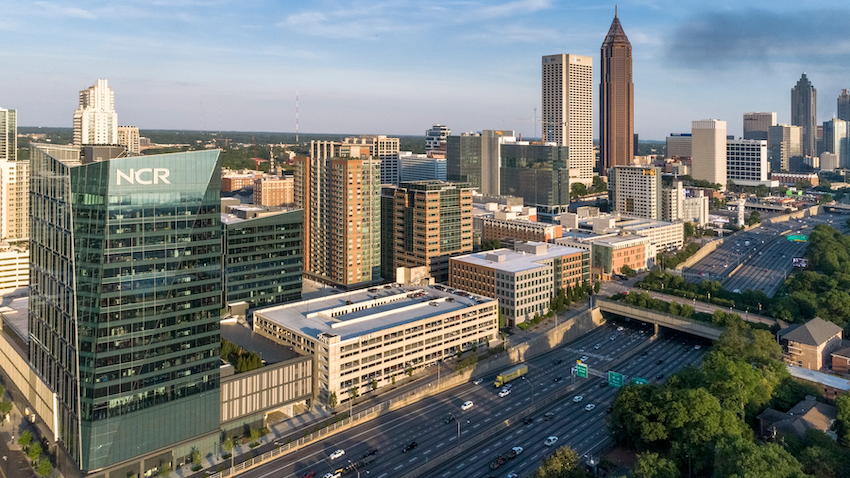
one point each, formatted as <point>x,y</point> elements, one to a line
<point>425,421</point>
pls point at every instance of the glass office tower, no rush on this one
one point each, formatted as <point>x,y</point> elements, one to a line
<point>540,175</point>
<point>125,294</point>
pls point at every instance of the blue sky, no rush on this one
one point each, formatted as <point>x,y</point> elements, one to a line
<point>396,67</point>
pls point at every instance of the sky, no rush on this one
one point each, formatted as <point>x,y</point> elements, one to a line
<point>398,66</point>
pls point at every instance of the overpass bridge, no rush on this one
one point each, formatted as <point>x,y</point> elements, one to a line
<point>837,208</point>
<point>681,324</point>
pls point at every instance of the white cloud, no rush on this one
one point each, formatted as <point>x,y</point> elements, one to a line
<point>63,11</point>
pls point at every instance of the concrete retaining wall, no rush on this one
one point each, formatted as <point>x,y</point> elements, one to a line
<point>811,211</point>
<point>702,252</point>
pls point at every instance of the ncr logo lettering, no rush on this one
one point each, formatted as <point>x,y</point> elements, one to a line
<point>143,176</point>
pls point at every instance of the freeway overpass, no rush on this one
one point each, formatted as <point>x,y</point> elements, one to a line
<point>688,326</point>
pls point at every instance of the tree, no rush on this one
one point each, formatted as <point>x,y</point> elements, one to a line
<point>34,452</point>
<point>332,400</point>
<point>373,384</point>
<point>754,218</point>
<point>196,456</point>
<point>45,467</point>
<point>5,408</point>
<point>627,271</point>
<point>25,439</point>
<point>354,392</point>
<point>599,185</point>
<point>762,190</point>
<point>165,468</point>
<point>255,436</point>
<point>561,464</point>
<point>651,465</point>
<point>842,403</point>
<point>689,230</point>
<point>803,184</point>
<point>825,198</point>
<point>742,458</point>
<point>578,190</point>
<point>596,287</point>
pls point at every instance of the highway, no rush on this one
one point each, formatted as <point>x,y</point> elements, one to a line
<point>423,422</point>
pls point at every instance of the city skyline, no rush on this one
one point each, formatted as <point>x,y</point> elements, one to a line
<point>229,67</point>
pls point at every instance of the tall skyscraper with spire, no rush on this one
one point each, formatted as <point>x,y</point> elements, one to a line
<point>844,105</point>
<point>804,113</point>
<point>616,99</point>
<point>95,121</point>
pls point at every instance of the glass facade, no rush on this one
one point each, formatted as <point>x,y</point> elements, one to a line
<point>539,174</point>
<point>463,159</point>
<point>125,297</point>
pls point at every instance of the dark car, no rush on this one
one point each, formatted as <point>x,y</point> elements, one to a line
<point>659,362</point>
<point>528,420</point>
<point>609,409</point>
<point>659,376</point>
<point>559,362</point>
<point>644,353</point>
<point>409,447</point>
<point>603,384</point>
<point>449,419</point>
<point>556,379</point>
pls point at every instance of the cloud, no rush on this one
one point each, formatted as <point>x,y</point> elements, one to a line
<point>727,40</point>
<point>63,11</point>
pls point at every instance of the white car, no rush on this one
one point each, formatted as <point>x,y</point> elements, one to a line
<point>337,454</point>
<point>584,358</point>
<point>517,449</point>
<point>512,475</point>
<point>478,381</point>
<point>332,475</point>
<point>466,405</point>
<point>590,407</point>
<point>577,398</point>
<point>620,328</point>
<point>551,440</point>
<point>504,393</point>
<point>597,346</point>
<point>697,347</point>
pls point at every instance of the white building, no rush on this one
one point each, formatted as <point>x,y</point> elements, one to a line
<point>14,268</point>
<point>95,121</point>
<point>679,204</point>
<point>128,136</point>
<point>14,201</point>
<point>636,190</point>
<point>567,118</point>
<point>8,134</point>
<point>419,167</point>
<point>746,162</point>
<point>377,334</point>
<point>708,155</point>
<point>435,138</point>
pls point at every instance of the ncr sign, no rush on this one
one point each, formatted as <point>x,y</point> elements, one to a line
<point>142,176</point>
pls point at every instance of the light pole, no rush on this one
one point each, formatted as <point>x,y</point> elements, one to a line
<point>458,427</point>
<point>355,469</point>
<point>532,390</point>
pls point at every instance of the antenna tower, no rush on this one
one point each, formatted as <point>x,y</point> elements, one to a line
<point>296,116</point>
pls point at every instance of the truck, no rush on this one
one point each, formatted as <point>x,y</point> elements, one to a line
<point>510,374</point>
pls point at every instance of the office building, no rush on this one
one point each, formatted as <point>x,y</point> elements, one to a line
<point>128,136</point>
<point>375,336</point>
<point>433,221</point>
<point>263,255</point>
<point>274,191</point>
<point>679,204</point>
<point>14,268</point>
<point>708,160</point>
<point>382,149</point>
<point>610,254</point>
<point>388,270</point>
<point>541,174</point>
<point>679,145</point>
<point>513,230</point>
<point>435,138</point>
<point>746,161</point>
<point>232,181</point>
<point>757,125</point>
<point>568,108</point>
<point>421,167</point>
<point>828,161</point>
<point>8,135</point>
<point>616,100</point>
<point>339,188</point>
<point>785,142</point>
<point>804,113</point>
<point>14,201</point>
<point>124,301</point>
<point>844,105</point>
<point>473,158</point>
<point>835,140</point>
<point>95,120</point>
<point>523,280</point>
<point>636,190</point>
<point>791,179</point>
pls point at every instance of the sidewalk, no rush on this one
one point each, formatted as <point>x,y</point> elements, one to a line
<point>15,463</point>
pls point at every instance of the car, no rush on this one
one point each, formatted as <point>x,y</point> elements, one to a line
<point>508,386</point>
<point>659,376</point>
<point>612,338</point>
<point>644,353</point>
<point>504,393</point>
<point>609,409</point>
<point>577,398</point>
<point>449,419</point>
<point>559,362</point>
<point>557,379</point>
<point>309,475</point>
<point>512,475</point>
<point>597,346</point>
<point>581,350</point>
<point>584,358</point>
<point>659,362</point>
<point>589,407</point>
<point>337,454</point>
<point>517,449</point>
<point>548,416</point>
<point>410,446</point>
<point>478,381</point>
<point>602,384</point>
<point>620,328</point>
<point>697,347</point>
<point>332,475</point>
<point>466,405</point>
<point>551,440</point>
<point>528,420</point>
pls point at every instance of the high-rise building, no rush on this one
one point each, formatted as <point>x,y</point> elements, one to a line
<point>124,301</point>
<point>636,190</point>
<point>474,158</point>
<point>804,113</point>
<point>95,121</point>
<point>421,167</point>
<point>128,136</point>
<point>435,138</point>
<point>340,191</point>
<point>388,270</point>
<point>541,174</point>
<point>274,191</point>
<point>757,125</point>
<point>14,201</point>
<point>746,161</point>
<point>679,145</point>
<point>616,100</point>
<point>708,157</point>
<point>676,205</point>
<point>433,221</point>
<point>568,108</point>
<point>784,142</point>
<point>382,149</point>
<point>835,140</point>
<point>844,105</point>
<point>8,134</point>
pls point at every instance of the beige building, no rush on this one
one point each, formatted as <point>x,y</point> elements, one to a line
<point>676,205</point>
<point>381,148</point>
<point>518,230</point>
<point>810,345</point>
<point>523,280</point>
<point>274,191</point>
<point>95,120</point>
<point>636,190</point>
<point>128,136</point>
<point>14,201</point>
<point>373,336</point>
<point>235,180</point>
<point>708,155</point>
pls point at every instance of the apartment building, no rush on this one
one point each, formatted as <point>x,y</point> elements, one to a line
<point>274,191</point>
<point>810,345</point>
<point>518,230</point>
<point>235,180</point>
<point>636,190</point>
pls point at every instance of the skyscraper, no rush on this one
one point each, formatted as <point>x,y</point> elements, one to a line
<point>435,138</point>
<point>124,301</point>
<point>8,134</point>
<point>784,142</point>
<point>835,141</point>
<point>804,113</point>
<point>129,136</point>
<point>474,158</point>
<point>844,105</point>
<point>616,100</point>
<point>756,125</point>
<point>568,108</point>
<point>541,174</point>
<point>636,190</point>
<point>95,121</point>
<point>14,183</point>
<point>746,161</point>
<point>708,155</point>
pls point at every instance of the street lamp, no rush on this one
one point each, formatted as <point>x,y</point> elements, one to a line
<point>532,390</point>
<point>458,427</point>
<point>355,469</point>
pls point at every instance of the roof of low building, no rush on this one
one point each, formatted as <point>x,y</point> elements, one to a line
<point>814,332</point>
<point>845,352</point>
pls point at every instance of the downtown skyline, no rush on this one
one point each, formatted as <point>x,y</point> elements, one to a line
<point>397,67</point>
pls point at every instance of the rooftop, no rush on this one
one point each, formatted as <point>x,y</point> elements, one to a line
<point>15,312</point>
<point>517,261</point>
<point>837,383</point>
<point>814,332</point>
<point>244,337</point>
<point>352,314</point>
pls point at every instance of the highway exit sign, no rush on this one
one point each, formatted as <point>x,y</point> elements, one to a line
<point>798,238</point>
<point>581,370</point>
<point>615,379</point>
<point>639,381</point>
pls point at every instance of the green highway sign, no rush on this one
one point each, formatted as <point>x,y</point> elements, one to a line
<point>639,381</point>
<point>798,238</point>
<point>581,370</point>
<point>615,379</point>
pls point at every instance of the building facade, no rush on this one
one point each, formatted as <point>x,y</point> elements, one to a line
<point>8,135</point>
<point>95,120</point>
<point>235,180</point>
<point>541,174</point>
<point>610,254</point>
<point>388,270</point>
<point>568,108</point>
<point>844,105</point>
<point>523,280</point>
<point>679,145</point>
<point>636,190</point>
<point>785,142</point>
<point>14,201</point>
<point>274,191</point>
<point>124,301</point>
<point>128,136</point>
<point>746,161</point>
<point>757,125</point>
<point>518,230</point>
<point>435,138</point>
<point>835,140</point>
<point>473,158</point>
<point>810,345</point>
<point>420,167</point>
<point>804,113</point>
<point>709,151</point>
<point>616,100</point>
